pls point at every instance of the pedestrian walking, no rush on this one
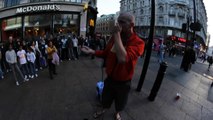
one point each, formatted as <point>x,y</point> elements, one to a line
<point>121,55</point>
<point>161,52</point>
<point>23,62</point>
<point>51,49</point>
<point>75,47</point>
<point>210,61</point>
<point>69,45</point>
<point>12,60</point>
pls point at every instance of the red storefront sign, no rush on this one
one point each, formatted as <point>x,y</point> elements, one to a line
<point>179,39</point>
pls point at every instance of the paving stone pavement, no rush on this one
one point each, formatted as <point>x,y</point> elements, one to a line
<point>71,95</point>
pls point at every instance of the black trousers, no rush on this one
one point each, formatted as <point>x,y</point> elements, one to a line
<point>52,69</point>
<point>116,91</point>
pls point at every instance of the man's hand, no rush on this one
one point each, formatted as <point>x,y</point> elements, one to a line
<point>87,50</point>
<point>117,28</point>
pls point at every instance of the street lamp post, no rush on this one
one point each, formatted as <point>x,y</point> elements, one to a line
<point>149,47</point>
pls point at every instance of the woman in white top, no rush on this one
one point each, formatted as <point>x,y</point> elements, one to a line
<point>23,61</point>
<point>75,46</point>
<point>31,61</point>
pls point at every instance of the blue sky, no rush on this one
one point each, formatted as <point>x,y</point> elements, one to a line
<point>112,6</point>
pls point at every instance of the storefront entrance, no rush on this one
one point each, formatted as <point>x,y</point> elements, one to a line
<point>40,25</point>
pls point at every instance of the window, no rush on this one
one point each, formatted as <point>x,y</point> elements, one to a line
<point>56,0</point>
<point>8,3</point>
<point>12,23</point>
<point>160,21</point>
<point>141,22</point>
<point>172,21</point>
<point>23,1</point>
<point>141,11</point>
<point>161,9</point>
<point>1,3</point>
<point>33,1</point>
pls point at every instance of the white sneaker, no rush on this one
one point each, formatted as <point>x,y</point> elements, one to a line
<point>25,79</point>
<point>2,77</point>
<point>17,83</point>
<point>29,76</point>
<point>36,75</point>
<point>32,76</point>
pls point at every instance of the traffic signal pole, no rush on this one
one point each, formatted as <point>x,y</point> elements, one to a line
<point>184,65</point>
<point>149,47</point>
<point>195,20</point>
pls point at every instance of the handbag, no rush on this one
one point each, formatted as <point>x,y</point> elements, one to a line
<point>55,58</point>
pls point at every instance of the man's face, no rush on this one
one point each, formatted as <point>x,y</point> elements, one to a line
<point>10,38</point>
<point>124,23</point>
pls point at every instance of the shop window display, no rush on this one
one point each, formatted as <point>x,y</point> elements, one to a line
<point>66,23</point>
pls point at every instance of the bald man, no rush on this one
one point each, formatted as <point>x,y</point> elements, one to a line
<point>121,55</point>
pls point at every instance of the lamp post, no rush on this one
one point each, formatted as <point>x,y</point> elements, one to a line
<point>149,47</point>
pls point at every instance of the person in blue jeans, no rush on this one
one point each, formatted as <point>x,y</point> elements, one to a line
<point>31,62</point>
<point>11,58</point>
<point>161,52</point>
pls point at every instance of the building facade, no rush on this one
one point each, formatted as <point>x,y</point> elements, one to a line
<point>104,24</point>
<point>169,17</point>
<point>27,18</point>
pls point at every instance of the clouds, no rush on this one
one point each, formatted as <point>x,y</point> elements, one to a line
<point>108,6</point>
<point>209,8</point>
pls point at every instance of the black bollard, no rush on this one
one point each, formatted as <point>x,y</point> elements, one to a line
<point>158,81</point>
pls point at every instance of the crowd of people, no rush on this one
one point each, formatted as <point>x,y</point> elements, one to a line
<point>26,57</point>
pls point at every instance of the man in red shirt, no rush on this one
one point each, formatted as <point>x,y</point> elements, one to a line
<point>121,55</point>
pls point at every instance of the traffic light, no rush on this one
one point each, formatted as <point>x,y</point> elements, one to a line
<point>195,26</point>
<point>91,23</point>
<point>183,27</point>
